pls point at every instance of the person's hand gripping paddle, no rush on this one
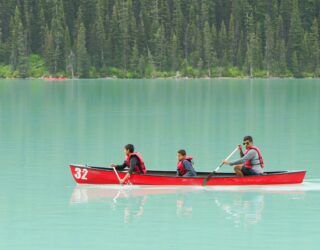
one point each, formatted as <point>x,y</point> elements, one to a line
<point>217,169</point>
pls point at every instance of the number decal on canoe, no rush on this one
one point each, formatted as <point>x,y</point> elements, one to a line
<point>81,173</point>
<point>84,174</point>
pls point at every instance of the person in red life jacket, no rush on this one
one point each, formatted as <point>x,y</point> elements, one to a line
<point>133,161</point>
<point>185,165</point>
<point>251,161</point>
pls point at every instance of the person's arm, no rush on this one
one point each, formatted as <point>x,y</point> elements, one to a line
<point>120,167</point>
<point>240,150</point>
<point>189,168</point>
<point>133,163</point>
<point>189,174</point>
<point>247,157</point>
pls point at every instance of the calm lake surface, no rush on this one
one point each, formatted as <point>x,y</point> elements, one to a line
<point>44,126</point>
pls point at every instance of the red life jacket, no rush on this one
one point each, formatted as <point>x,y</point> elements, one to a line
<point>180,167</point>
<point>140,168</point>
<point>248,164</point>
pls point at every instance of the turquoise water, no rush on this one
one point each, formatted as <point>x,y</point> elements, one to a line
<point>44,126</point>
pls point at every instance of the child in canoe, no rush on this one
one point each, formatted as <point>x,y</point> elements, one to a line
<point>185,165</point>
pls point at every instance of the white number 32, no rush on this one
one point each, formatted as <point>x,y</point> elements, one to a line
<point>81,173</point>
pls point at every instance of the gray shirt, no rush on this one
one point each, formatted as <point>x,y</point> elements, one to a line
<point>252,156</point>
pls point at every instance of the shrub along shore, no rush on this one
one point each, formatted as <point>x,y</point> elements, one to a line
<point>38,69</point>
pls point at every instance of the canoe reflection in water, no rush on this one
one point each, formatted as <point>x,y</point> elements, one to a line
<point>132,199</point>
<point>102,193</point>
<point>241,206</point>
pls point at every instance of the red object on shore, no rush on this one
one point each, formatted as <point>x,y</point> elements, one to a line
<point>98,175</point>
<point>55,78</point>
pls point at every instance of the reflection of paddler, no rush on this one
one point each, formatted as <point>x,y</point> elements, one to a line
<point>246,208</point>
<point>184,207</point>
<point>132,207</point>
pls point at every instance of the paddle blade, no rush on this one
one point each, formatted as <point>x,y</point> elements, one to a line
<point>207,179</point>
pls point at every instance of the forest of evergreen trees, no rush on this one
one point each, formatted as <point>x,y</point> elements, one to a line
<point>159,38</point>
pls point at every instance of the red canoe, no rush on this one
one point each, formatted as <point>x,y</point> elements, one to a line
<point>98,175</point>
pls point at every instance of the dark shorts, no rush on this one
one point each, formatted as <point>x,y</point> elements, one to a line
<point>248,171</point>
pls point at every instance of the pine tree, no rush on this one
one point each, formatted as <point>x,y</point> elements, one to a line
<point>58,32</point>
<point>178,26</point>
<point>208,48</point>
<point>141,38</point>
<point>100,36</point>
<point>23,63</point>
<point>115,39</point>
<point>295,65</point>
<point>123,19</point>
<point>232,45</point>
<point>49,50</point>
<point>223,45</point>
<point>19,51</point>
<point>159,56</point>
<point>215,45</point>
<point>295,41</point>
<point>313,45</point>
<point>269,45</point>
<point>37,29</point>
<point>69,54</point>
<point>134,59</point>
<point>82,54</point>
<point>164,15</point>
<point>26,19</point>
<point>193,45</point>
<point>13,39</point>
<point>282,57</point>
<point>174,54</point>
<point>1,46</point>
<point>253,54</point>
<point>285,13</point>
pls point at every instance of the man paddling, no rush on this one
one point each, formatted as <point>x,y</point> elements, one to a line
<point>133,161</point>
<point>251,161</point>
<point>185,166</point>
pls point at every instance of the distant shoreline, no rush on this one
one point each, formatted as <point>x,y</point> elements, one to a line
<point>162,78</point>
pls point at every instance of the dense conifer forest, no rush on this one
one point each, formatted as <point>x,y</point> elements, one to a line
<point>159,38</point>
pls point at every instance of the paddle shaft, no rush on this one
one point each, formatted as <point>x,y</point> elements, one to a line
<point>115,171</point>
<point>216,170</point>
<point>229,156</point>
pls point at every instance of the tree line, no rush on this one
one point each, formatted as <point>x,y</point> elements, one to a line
<point>159,38</point>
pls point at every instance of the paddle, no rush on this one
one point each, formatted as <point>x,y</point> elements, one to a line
<point>115,171</point>
<point>216,170</point>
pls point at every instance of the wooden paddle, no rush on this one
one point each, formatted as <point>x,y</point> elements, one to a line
<point>216,170</point>
<point>115,171</point>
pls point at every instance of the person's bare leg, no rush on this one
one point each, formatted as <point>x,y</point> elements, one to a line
<point>237,170</point>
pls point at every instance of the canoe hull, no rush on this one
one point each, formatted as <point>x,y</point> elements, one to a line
<point>96,175</point>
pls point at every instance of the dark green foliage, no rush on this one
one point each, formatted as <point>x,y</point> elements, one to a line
<point>82,54</point>
<point>19,52</point>
<point>158,38</point>
<point>295,42</point>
